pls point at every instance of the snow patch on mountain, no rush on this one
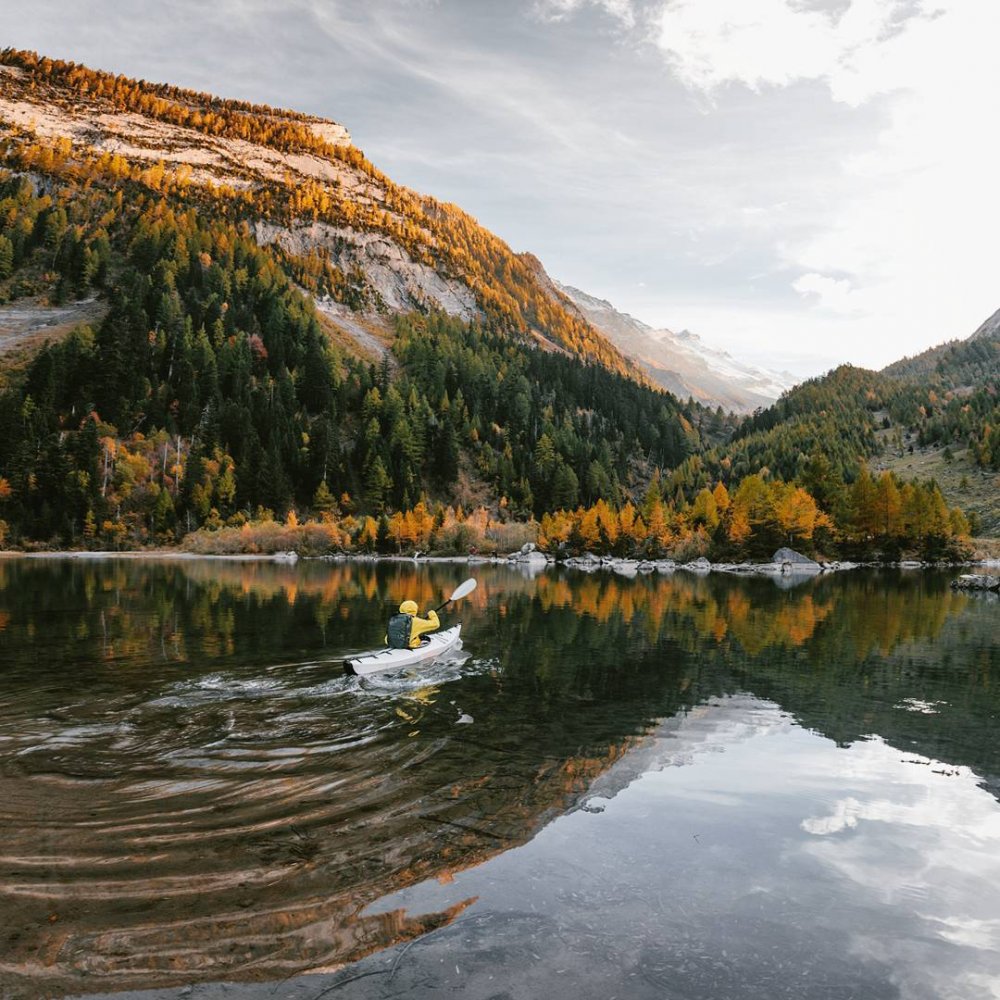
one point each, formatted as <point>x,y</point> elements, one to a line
<point>682,362</point>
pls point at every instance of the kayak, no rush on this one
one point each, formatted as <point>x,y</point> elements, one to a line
<point>434,645</point>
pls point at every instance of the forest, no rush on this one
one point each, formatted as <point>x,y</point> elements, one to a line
<point>506,285</point>
<point>210,398</point>
<point>955,403</point>
<point>210,391</point>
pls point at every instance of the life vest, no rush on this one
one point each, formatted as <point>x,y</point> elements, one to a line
<point>399,630</point>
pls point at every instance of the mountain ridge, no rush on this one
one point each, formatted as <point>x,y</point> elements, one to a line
<point>401,250</point>
<point>273,334</point>
<point>935,416</point>
<point>681,362</point>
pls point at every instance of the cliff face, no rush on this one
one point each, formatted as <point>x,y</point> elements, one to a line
<point>990,330</point>
<point>306,189</point>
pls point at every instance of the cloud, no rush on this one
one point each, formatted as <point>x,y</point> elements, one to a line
<point>478,77</point>
<point>785,177</point>
<point>555,10</point>
<point>902,237</point>
<point>756,42</point>
<point>835,295</point>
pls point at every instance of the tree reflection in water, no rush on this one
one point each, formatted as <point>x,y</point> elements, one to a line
<point>191,790</point>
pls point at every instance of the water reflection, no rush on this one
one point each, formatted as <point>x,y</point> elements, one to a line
<point>190,789</point>
<point>752,860</point>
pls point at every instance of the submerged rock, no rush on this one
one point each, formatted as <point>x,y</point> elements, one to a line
<point>976,581</point>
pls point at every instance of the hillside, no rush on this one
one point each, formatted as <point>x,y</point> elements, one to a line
<point>266,322</point>
<point>934,416</point>
<point>220,317</point>
<point>959,365</point>
<point>681,362</point>
<point>362,239</point>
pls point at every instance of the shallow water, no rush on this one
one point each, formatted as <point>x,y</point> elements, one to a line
<point>651,787</point>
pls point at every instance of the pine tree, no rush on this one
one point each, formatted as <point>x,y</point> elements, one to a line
<point>6,258</point>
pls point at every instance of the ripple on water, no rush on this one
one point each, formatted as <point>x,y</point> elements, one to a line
<point>211,798</point>
<point>227,786</point>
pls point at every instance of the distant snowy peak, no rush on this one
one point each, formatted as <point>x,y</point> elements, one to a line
<point>682,362</point>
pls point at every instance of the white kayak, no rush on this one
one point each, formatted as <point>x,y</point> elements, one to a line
<point>434,645</point>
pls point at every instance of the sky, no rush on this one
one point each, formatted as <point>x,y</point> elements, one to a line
<point>801,182</point>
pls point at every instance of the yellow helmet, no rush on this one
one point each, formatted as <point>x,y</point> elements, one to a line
<point>408,608</point>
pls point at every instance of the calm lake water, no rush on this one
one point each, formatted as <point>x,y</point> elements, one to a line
<point>662,787</point>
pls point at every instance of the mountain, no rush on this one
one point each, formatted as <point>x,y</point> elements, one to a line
<point>681,362</point>
<point>933,416</point>
<point>240,313</point>
<point>990,330</point>
<point>213,313</point>
<point>364,240</point>
<point>957,365</point>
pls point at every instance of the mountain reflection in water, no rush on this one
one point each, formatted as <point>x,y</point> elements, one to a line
<point>190,790</point>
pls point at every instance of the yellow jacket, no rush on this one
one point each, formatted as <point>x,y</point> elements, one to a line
<point>419,626</point>
<point>422,625</point>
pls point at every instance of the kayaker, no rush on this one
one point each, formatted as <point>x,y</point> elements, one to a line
<point>405,628</point>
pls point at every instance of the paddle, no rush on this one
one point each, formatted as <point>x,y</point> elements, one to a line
<point>462,590</point>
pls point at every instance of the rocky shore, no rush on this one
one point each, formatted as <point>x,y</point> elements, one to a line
<point>785,562</point>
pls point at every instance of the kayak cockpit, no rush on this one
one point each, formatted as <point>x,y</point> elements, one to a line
<point>431,648</point>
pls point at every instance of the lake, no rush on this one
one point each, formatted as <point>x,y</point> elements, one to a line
<point>665,786</point>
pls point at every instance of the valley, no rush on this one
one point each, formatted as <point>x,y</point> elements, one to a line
<point>254,326</point>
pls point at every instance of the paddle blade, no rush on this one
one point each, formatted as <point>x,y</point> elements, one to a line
<point>463,590</point>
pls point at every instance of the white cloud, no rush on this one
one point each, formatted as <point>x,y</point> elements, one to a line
<point>758,42</point>
<point>833,294</point>
<point>910,230</point>
<point>621,10</point>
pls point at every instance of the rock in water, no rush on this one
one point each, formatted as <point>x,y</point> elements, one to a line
<point>795,561</point>
<point>699,565</point>
<point>976,581</point>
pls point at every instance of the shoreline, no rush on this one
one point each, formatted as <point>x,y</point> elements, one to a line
<point>533,560</point>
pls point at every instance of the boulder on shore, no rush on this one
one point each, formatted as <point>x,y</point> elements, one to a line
<point>625,567</point>
<point>791,561</point>
<point>699,565</point>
